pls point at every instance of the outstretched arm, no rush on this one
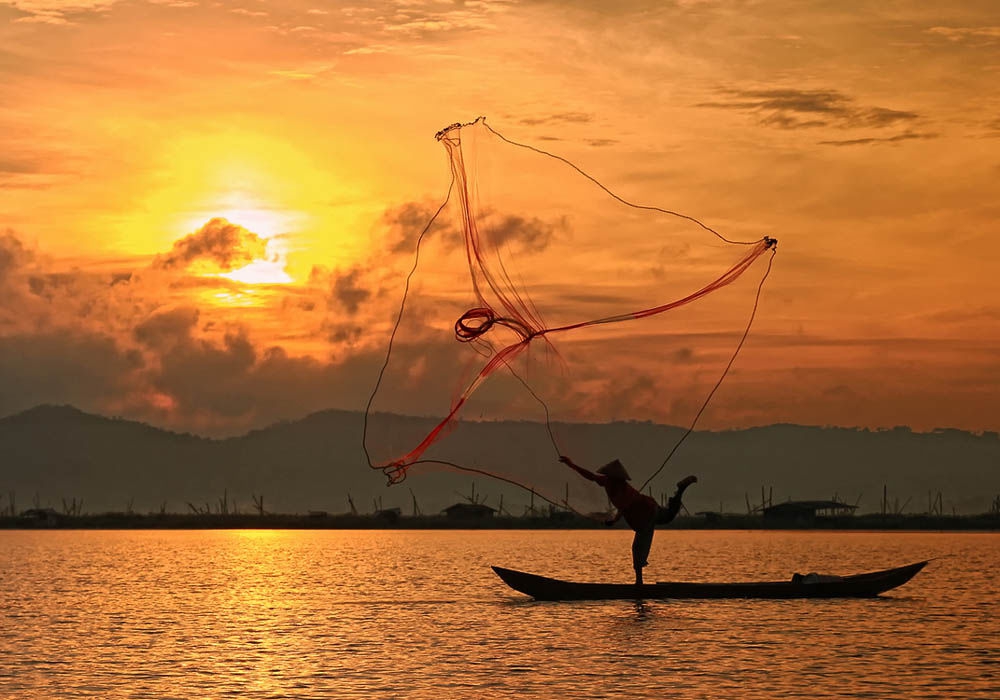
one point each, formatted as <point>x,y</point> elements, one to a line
<point>580,470</point>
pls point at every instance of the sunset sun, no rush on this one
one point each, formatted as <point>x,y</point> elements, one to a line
<point>268,270</point>
<point>271,224</point>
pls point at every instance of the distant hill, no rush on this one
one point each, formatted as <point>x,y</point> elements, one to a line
<point>60,452</point>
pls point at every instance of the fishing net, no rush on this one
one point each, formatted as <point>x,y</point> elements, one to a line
<point>541,303</point>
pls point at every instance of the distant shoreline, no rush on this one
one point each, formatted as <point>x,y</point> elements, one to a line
<point>323,521</point>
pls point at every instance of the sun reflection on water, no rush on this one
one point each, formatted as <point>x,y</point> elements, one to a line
<point>418,614</point>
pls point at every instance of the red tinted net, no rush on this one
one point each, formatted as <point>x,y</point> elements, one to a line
<point>541,303</point>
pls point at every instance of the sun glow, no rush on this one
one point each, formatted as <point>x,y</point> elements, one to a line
<point>308,209</point>
<point>269,271</point>
<point>245,298</point>
<point>271,224</point>
<point>251,210</point>
<point>256,181</point>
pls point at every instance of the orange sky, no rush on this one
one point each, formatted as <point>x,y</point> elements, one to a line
<point>199,201</point>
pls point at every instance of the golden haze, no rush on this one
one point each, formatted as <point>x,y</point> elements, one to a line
<point>866,141</point>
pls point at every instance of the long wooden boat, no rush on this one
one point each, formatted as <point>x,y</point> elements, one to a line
<point>809,586</point>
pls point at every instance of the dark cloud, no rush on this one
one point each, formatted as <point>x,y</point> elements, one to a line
<point>559,118</point>
<point>530,234</point>
<point>406,222</point>
<point>231,385</point>
<point>18,166</point>
<point>905,136</point>
<point>227,245</point>
<point>15,260</point>
<point>165,329</point>
<point>795,101</point>
<point>36,298</point>
<point>780,120</point>
<point>167,371</point>
<point>802,109</point>
<point>989,314</point>
<point>114,343</point>
<point>50,284</point>
<point>37,285</point>
<point>89,370</point>
<point>343,333</point>
<point>683,355</point>
<point>348,292</point>
<point>13,254</point>
<point>202,376</point>
<point>879,117</point>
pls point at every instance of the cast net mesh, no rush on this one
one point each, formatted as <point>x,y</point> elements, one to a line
<point>540,303</point>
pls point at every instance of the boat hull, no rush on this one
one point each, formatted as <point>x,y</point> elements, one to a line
<point>858,586</point>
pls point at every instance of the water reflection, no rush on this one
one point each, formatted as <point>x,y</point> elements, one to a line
<point>419,614</point>
<point>642,611</point>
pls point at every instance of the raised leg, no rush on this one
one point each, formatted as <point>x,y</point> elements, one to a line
<point>665,515</point>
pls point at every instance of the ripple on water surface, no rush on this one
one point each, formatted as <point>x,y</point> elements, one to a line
<point>329,614</point>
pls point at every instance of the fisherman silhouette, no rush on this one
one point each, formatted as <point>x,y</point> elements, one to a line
<point>641,512</point>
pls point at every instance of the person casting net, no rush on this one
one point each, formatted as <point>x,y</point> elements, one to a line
<point>540,304</point>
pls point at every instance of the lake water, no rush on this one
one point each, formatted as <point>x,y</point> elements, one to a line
<point>419,614</point>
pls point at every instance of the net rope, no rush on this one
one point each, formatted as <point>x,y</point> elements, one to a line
<point>520,317</point>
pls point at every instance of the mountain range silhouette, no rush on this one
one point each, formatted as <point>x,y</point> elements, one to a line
<point>50,453</point>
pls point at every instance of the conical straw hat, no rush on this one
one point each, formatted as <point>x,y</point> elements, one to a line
<point>615,470</point>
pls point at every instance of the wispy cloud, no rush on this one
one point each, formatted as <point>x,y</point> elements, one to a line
<point>426,20</point>
<point>18,166</point>
<point>990,34</point>
<point>802,109</point>
<point>963,314</point>
<point>905,136</point>
<point>248,12</point>
<point>559,118</point>
<point>58,11</point>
